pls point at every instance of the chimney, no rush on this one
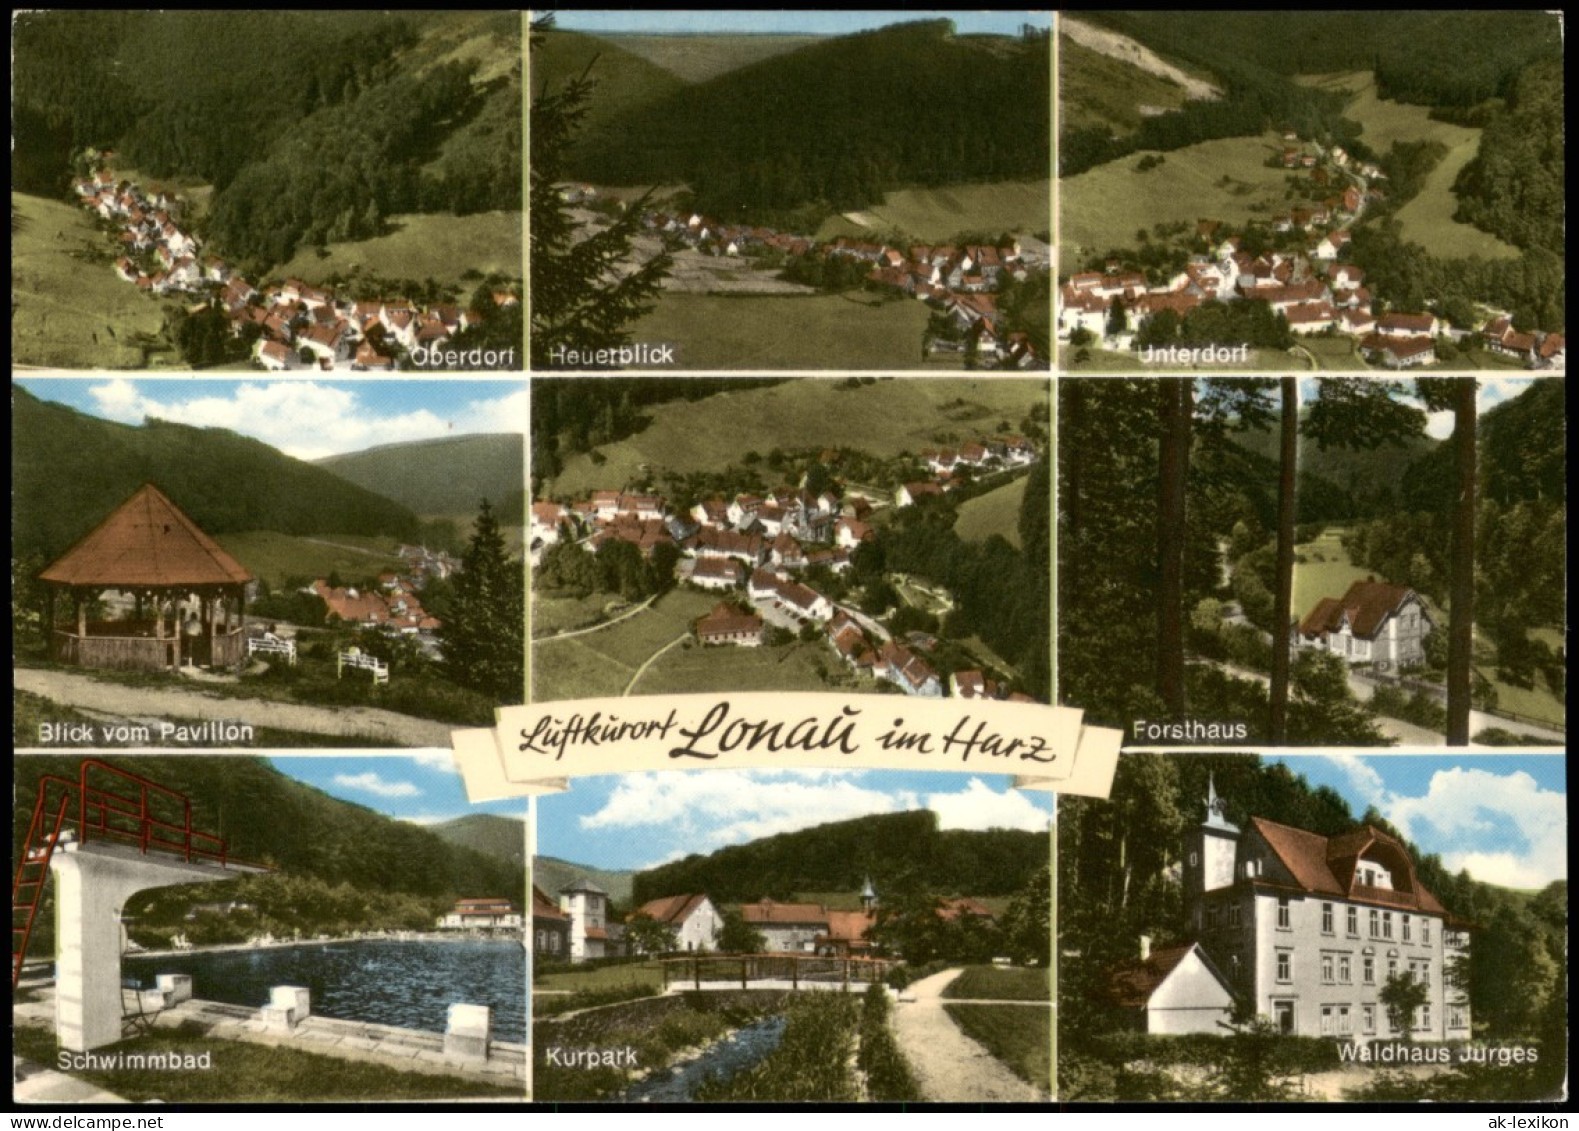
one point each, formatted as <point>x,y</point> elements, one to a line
<point>1145,948</point>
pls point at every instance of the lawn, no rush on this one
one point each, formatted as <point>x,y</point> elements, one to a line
<point>553,614</point>
<point>1322,569</point>
<point>934,214</point>
<point>1333,354</point>
<point>249,1073</point>
<point>423,246</point>
<point>602,663</point>
<point>856,330</point>
<point>648,974</point>
<point>1019,1036</point>
<point>1428,218</point>
<point>1002,983</point>
<point>883,419</point>
<point>1225,180</point>
<point>68,307</point>
<point>996,512</point>
<point>792,667</point>
<point>278,557</point>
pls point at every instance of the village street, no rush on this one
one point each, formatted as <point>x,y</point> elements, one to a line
<point>950,1067</point>
<point>147,704</point>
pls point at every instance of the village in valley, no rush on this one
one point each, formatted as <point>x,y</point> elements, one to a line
<point>801,563</point>
<point>289,325</point>
<point>1294,262</point>
<point>959,283</point>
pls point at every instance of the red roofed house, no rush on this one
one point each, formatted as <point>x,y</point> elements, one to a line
<point>482,915</point>
<point>1309,928</point>
<point>187,593</point>
<point>550,927</point>
<point>728,625</point>
<point>1171,990</point>
<point>694,920</point>
<point>1373,622</point>
<point>787,927</point>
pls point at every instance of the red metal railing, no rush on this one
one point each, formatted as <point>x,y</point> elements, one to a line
<point>111,804</point>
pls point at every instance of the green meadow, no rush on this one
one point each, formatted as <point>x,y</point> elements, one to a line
<point>68,307</point>
<point>942,213</point>
<point>996,512</point>
<point>602,663</point>
<point>884,418</point>
<point>426,246</point>
<point>277,558</point>
<point>856,330</point>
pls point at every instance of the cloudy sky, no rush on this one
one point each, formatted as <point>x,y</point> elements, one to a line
<point>308,419</point>
<point>802,23</point>
<point>1504,818</point>
<point>424,788</point>
<point>641,820</point>
<point>1492,392</point>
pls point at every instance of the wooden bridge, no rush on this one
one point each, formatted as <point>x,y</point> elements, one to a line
<point>772,972</point>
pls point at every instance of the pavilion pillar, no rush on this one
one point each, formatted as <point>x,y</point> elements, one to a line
<point>82,613</point>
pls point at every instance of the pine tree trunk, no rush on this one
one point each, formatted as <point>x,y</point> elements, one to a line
<point>1461,591</point>
<point>1176,406</point>
<point>1283,606</point>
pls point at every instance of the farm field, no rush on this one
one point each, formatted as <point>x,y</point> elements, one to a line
<point>858,330</point>
<point>884,418</point>
<point>277,558</point>
<point>553,614</point>
<point>996,512</point>
<point>697,58</point>
<point>793,667</point>
<point>68,307</point>
<point>1019,1036</point>
<point>602,663</point>
<point>934,214</point>
<point>1428,218</point>
<point>426,246</point>
<point>1225,180</point>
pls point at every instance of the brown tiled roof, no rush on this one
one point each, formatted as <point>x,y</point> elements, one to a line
<point>1133,984</point>
<point>1327,865</point>
<point>726,620</point>
<point>1367,603</point>
<point>146,541</point>
<point>849,926</point>
<point>674,909</point>
<point>777,914</point>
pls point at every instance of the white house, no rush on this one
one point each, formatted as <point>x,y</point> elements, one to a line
<point>1172,990</point>
<point>588,908</point>
<point>1373,622</point>
<point>694,920</point>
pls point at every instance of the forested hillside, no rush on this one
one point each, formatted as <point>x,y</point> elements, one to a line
<point>446,476</point>
<point>335,865</point>
<point>834,124</point>
<point>69,470</point>
<point>1514,187</point>
<point>892,849</point>
<point>421,113</point>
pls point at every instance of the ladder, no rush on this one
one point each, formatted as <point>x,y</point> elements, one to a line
<point>44,832</point>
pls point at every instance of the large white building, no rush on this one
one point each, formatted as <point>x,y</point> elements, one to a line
<point>588,908</point>
<point>1309,928</point>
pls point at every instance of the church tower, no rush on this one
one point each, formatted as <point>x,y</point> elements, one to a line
<point>1209,851</point>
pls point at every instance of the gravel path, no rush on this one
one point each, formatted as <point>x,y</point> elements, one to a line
<point>948,1065</point>
<point>153,704</point>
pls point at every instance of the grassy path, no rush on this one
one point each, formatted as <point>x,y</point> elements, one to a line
<point>948,1065</point>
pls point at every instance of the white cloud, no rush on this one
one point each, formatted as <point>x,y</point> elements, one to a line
<point>1472,809</point>
<point>370,782</point>
<point>711,809</point>
<point>308,419</point>
<point>978,806</point>
<point>435,759</point>
<point>1439,425</point>
<point>1363,778</point>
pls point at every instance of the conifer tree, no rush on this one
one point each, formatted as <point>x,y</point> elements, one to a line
<point>484,632</point>
<point>584,293</point>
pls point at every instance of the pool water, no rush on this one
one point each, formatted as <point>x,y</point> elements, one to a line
<point>410,983</point>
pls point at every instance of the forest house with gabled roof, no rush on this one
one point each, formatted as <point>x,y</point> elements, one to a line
<point>187,593</point>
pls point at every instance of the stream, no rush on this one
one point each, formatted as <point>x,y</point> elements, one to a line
<point>740,1050</point>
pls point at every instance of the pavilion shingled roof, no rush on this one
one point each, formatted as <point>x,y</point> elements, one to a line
<point>146,541</point>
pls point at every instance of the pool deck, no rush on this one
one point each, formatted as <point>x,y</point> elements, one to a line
<point>411,1050</point>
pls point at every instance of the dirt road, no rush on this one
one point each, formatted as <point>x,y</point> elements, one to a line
<point>157,704</point>
<point>948,1065</point>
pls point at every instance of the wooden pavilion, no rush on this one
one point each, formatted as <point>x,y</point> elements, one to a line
<point>149,549</point>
